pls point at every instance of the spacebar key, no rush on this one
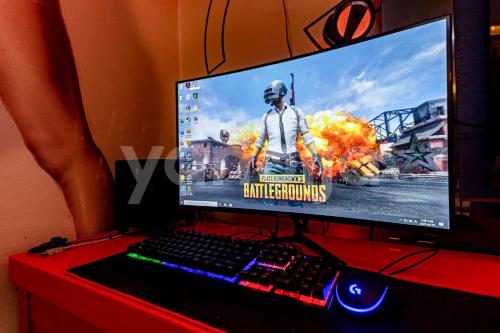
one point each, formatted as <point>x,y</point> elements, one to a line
<point>172,258</point>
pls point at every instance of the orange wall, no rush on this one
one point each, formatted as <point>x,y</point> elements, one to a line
<point>32,209</point>
<point>127,58</point>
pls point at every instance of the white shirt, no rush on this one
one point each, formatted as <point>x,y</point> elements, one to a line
<point>293,121</point>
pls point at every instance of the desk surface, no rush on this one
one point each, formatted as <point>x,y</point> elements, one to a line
<point>47,278</point>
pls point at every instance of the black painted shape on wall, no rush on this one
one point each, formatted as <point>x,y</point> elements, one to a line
<point>212,67</point>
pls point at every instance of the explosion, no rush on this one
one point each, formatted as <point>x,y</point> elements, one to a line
<point>341,139</point>
<point>246,137</point>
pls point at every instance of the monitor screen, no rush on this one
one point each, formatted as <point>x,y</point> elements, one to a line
<point>358,132</point>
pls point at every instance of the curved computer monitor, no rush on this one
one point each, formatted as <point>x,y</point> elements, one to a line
<point>358,133</point>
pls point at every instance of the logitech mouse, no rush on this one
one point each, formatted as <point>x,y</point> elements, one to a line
<point>361,292</point>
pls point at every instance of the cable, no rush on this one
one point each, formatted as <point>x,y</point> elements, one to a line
<point>211,217</point>
<point>108,237</point>
<point>59,244</point>
<point>253,233</point>
<point>276,227</point>
<point>432,252</point>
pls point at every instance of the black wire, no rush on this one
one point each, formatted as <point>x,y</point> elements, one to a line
<point>298,248</point>
<point>110,236</point>
<point>253,233</point>
<point>222,220</point>
<point>276,227</point>
<point>415,264</point>
<point>392,263</point>
<point>211,217</point>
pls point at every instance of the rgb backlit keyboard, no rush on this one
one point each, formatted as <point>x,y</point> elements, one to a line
<point>260,266</point>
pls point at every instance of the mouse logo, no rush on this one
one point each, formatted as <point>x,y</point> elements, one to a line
<point>354,289</point>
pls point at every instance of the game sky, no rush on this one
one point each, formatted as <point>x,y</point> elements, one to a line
<point>393,72</point>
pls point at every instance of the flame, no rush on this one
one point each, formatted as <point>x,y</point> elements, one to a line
<point>340,138</point>
<point>246,137</point>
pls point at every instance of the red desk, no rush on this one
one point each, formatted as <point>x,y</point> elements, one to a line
<point>52,300</point>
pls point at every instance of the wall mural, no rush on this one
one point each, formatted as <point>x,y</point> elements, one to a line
<point>343,22</point>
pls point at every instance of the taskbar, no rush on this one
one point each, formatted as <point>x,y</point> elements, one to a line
<point>205,203</point>
<point>418,222</point>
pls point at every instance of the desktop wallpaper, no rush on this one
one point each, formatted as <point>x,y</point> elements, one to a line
<point>377,113</point>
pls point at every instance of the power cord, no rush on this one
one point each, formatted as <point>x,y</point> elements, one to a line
<point>60,244</point>
<point>432,253</point>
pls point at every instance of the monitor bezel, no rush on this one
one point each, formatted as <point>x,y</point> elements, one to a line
<point>344,220</point>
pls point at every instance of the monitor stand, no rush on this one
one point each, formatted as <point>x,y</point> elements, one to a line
<point>300,226</point>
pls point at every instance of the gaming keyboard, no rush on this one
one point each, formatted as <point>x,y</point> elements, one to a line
<point>264,267</point>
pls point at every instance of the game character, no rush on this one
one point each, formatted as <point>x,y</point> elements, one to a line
<point>280,126</point>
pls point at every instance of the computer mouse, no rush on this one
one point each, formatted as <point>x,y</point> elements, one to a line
<point>361,292</point>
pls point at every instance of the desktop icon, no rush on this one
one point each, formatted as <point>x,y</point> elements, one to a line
<point>194,85</point>
<point>195,95</point>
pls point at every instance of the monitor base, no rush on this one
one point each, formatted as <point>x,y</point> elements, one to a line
<point>300,226</point>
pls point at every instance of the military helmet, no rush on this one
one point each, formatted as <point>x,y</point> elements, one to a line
<point>274,91</point>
